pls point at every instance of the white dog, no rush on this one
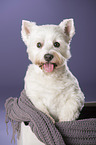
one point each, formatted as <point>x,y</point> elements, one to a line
<point>48,82</point>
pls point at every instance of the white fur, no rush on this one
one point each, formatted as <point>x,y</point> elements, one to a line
<point>56,93</point>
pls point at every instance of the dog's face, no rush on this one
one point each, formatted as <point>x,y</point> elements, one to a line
<point>48,46</point>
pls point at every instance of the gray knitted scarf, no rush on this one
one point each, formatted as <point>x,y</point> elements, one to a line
<point>79,132</point>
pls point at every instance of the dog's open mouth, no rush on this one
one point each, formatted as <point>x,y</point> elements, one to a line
<point>48,67</point>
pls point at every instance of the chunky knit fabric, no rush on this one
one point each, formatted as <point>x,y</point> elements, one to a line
<point>79,132</point>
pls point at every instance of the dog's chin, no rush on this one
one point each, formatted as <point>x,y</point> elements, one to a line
<point>48,67</point>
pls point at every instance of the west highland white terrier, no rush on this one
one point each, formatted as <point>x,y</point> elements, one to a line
<point>49,84</point>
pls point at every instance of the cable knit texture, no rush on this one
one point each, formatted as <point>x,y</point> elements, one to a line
<point>61,133</point>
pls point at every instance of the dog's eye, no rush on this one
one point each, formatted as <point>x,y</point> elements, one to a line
<point>56,44</point>
<point>39,45</point>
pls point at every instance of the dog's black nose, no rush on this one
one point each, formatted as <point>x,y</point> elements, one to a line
<point>48,57</point>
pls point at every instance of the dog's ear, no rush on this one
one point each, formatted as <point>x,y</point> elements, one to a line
<point>26,30</point>
<point>68,28</point>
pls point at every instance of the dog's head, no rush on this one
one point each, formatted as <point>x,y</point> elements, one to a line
<point>48,46</point>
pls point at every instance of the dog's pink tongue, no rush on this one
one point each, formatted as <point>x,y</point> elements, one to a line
<point>48,67</point>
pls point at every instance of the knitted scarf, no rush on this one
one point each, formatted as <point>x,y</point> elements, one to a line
<point>61,133</point>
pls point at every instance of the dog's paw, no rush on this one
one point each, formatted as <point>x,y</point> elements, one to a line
<point>68,116</point>
<point>50,117</point>
<point>44,110</point>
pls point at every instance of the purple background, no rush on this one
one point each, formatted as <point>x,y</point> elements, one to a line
<point>13,56</point>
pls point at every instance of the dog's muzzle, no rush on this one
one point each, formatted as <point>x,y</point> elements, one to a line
<point>48,66</point>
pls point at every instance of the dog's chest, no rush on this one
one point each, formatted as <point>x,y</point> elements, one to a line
<point>40,87</point>
<point>43,88</point>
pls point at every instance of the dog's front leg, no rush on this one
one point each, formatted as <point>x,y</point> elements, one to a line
<point>70,111</point>
<point>44,109</point>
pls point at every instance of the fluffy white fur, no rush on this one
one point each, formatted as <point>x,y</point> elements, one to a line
<point>56,93</point>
